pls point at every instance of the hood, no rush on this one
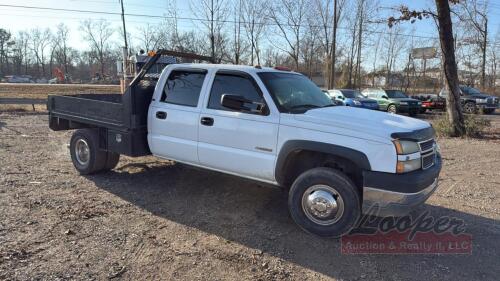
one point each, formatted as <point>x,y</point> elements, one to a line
<point>480,96</point>
<point>361,121</point>
<point>366,100</point>
<point>404,99</point>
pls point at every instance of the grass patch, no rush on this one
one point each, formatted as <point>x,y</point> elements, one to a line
<point>474,126</point>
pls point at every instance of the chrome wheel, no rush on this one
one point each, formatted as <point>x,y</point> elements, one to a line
<point>82,152</point>
<point>322,204</point>
<point>470,108</point>
<point>391,109</point>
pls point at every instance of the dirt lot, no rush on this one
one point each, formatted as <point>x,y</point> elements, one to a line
<point>152,219</point>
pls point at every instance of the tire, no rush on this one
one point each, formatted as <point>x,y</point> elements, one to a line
<point>412,113</point>
<point>112,159</point>
<point>339,221</point>
<point>423,110</point>
<point>392,108</point>
<point>469,107</point>
<point>488,111</point>
<point>94,159</point>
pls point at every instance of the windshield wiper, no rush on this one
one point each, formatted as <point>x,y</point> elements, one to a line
<point>304,106</point>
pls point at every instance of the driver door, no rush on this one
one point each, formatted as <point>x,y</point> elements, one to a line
<point>237,142</point>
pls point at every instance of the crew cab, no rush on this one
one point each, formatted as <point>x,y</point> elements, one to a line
<point>473,100</point>
<point>264,124</point>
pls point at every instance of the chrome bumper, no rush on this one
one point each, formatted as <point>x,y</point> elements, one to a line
<point>384,203</point>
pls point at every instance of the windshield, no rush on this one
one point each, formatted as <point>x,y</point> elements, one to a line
<point>395,94</point>
<point>469,90</point>
<point>352,94</point>
<point>294,92</point>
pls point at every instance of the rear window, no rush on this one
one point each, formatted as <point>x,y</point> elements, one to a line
<point>183,87</point>
<point>394,94</point>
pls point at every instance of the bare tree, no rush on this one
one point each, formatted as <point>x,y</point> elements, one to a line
<point>329,14</point>
<point>62,48</point>
<point>254,23</point>
<point>475,16</point>
<point>98,34</point>
<point>39,40</point>
<point>22,43</point>
<point>214,14</point>
<point>494,52</point>
<point>238,43</point>
<point>289,16</point>
<point>5,44</point>
<point>149,37</point>
<point>393,45</point>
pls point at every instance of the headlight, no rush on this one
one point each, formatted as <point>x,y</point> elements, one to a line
<point>357,102</point>
<point>419,103</point>
<point>409,158</point>
<point>403,103</point>
<point>406,147</point>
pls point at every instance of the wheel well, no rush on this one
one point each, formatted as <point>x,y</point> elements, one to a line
<point>300,161</point>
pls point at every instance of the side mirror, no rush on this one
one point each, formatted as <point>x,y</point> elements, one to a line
<point>240,103</point>
<point>340,97</point>
<point>385,97</point>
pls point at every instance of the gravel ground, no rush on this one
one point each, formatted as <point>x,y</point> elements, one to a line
<point>151,219</point>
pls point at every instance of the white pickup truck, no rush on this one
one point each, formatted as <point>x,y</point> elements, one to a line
<point>264,124</point>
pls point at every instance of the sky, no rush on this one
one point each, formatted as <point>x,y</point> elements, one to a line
<point>16,19</point>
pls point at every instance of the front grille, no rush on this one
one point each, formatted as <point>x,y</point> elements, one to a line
<point>427,153</point>
<point>426,145</point>
<point>428,160</point>
<point>490,100</point>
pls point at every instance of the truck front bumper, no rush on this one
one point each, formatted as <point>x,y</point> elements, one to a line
<point>386,194</point>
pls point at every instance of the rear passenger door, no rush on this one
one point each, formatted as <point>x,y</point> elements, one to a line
<point>174,116</point>
<point>242,143</point>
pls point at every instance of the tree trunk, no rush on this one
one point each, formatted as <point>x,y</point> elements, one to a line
<point>483,66</point>
<point>331,84</point>
<point>454,110</point>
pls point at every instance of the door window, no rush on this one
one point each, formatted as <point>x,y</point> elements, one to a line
<point>183,87</point>
<point>234,85</point>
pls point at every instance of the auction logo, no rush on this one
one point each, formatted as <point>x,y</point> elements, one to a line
<point>420,234</point>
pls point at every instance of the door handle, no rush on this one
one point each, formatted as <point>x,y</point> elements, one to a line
<point>207,121</point>
<point>161,115</point>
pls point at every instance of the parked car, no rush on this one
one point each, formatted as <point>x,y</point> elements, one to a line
<point>473,100</point>
<point>431,102</point>
<point>394,101</point>
<point>353,98</point>
<point>265,124</point>
<point>18,79</point>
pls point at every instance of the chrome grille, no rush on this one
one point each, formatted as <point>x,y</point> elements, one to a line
<point>427,153</point>
<point>426,145</point>
<point>428,161</point>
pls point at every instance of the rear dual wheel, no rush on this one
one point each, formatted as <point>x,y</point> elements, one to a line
<point>86,156</point>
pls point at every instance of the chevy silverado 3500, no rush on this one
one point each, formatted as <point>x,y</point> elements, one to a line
<point>264,124</point>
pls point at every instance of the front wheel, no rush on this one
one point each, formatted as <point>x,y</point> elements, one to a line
<point>488,111</point>
<point>392,109</point>
<point>324,202</point>
<point>470,107</point>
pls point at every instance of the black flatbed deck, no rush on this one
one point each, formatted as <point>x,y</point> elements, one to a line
<point>104,110</point>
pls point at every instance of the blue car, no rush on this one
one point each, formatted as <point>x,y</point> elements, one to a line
<point>353,98</point>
